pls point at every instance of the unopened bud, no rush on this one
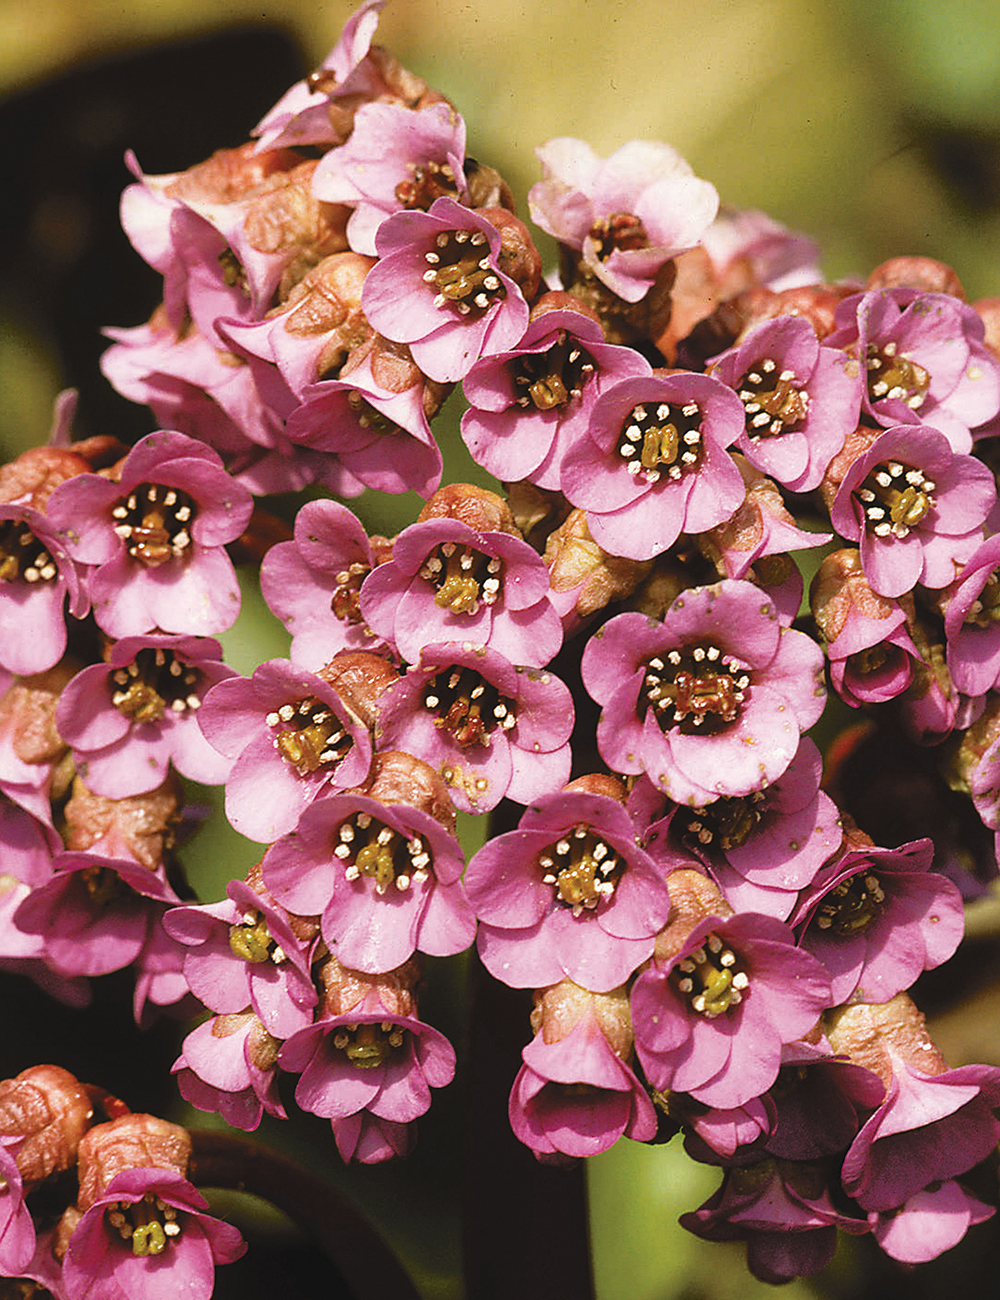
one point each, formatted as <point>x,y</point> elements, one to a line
<point>50,1110</point>
<point>130,1142</point>
<point>693,896</point>
<point>344,989</point>
<point>559,1009</point>
<point>475,506</point>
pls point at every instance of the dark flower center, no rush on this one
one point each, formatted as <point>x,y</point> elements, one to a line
<point>623,231</point>
<point>252,941</point>
<point>891,374</point>
<point>551,378</point>
<point>345,602</point>
<point>367,1046</point>
<point>661,438</point>
<point>727,823</point>
<point>104,885</point>
<point>468,706</point>
<point>582,869</point>
<point>22,555</point>
<point>311,736</point>
<point>462,577</point>
<point>428,181</point>
<point>461,271</point>
<point>153,683</point>
<point>712,978</point>
<point>851,907</point>
<point>772,403</point>
<point>698,689</point>
<point>895,498</point>
<point>234,275</point>
<point>155,523</point>
<point>367,847</point>
<point>148,1224</point>
<point>367,416</point>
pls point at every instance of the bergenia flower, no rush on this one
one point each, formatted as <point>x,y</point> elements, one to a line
<point>915,507</point>
<point>713,1011</point>
<point>711,701</point>
<point>292,739</point>
<point>491,729</point>
<point>396,158</point>
<point>129,719</point>
<point>438,287</point>
<point>625,215</point>
<point>229,1065</point>
<point>654,464</point>
<point>312,583</point>
<point>449,582</point>
<point>156,539</point>
<point>878,917</point>
<point>971,623</point>
<point>801,399</point>
<point>568,895</point>
<point>929,1222</point>
<point>148,1231</point>
<point>36,577</point>
<point>530,405</point>
<point>923,358</point>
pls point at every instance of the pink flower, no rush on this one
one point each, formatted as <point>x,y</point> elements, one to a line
<point>711,701</point>
<point>567,895</point>
<point>711,1017</point>
<point>228,1065</point>
<point>156,539</point>
<point>970,622</point>
<point>292,739</point>
<point>915,507</point>
<point>653,463</point>
<point>128,719</point>
<point>626,215</point>
<point>929,1223</point>
<point>449,582</point>
<point>36,577</point>
<point>166,1246</point>
<point>491,729</point>
<point>438,288</point>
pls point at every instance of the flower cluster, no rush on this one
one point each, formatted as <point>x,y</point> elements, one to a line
<point>620,644</point>
<point>91,1207</point>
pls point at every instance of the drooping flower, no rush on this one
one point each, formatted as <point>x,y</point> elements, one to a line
<point>38,579</point>
<point>229,1065</point>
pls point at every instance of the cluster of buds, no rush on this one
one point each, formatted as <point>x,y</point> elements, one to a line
<point>714,942</point>
<point>99,1207</point>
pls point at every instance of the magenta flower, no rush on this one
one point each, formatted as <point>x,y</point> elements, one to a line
<point>228,1066</point>
<point>448,582</point>
<point>626,215</point>
<point>17,1228</point>
<point>915,507</point>
<point>369,1059</point>
<point>386,880</point>
<point>654,462</point>
<point>567,895</point>
<point>877,917</point>
<point>156,539</point>
<point>493,731</point>
<point>370,1140</point>
<point>396,157</point>
<point>292,739</point>
<point>575,1095</point>
<point>312,584</point>
<point>750,240</point>
<point>924,360</point>
<point>36,577</point>
<point>711,1019</point>
<point>128,719</point>
<point>801,400</point>
<point>761,848</point>
<point>438,288</point>
<point>244,952</point>
<point>970,622</point>
<point>709,702</point>
<point>166,1246</point>
<point>530,405</point>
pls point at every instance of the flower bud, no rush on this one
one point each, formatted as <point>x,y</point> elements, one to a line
<point>399,778</point>
<point>518,257</point>
<point>28,714</point>
<point>49,1110</point>
<point>475,506</point>
<point>130,1142</point>
<point>140,826</point>
<point>359,678</point>
<point>869,1034</point>
<point>344,989</point>
<point>559,1008</point>
<point>923,273</point>
<point>693,896</point>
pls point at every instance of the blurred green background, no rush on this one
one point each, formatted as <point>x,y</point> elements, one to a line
<point>873,128</point>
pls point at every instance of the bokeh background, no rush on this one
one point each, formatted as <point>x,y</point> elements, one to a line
<point>875,128</point>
